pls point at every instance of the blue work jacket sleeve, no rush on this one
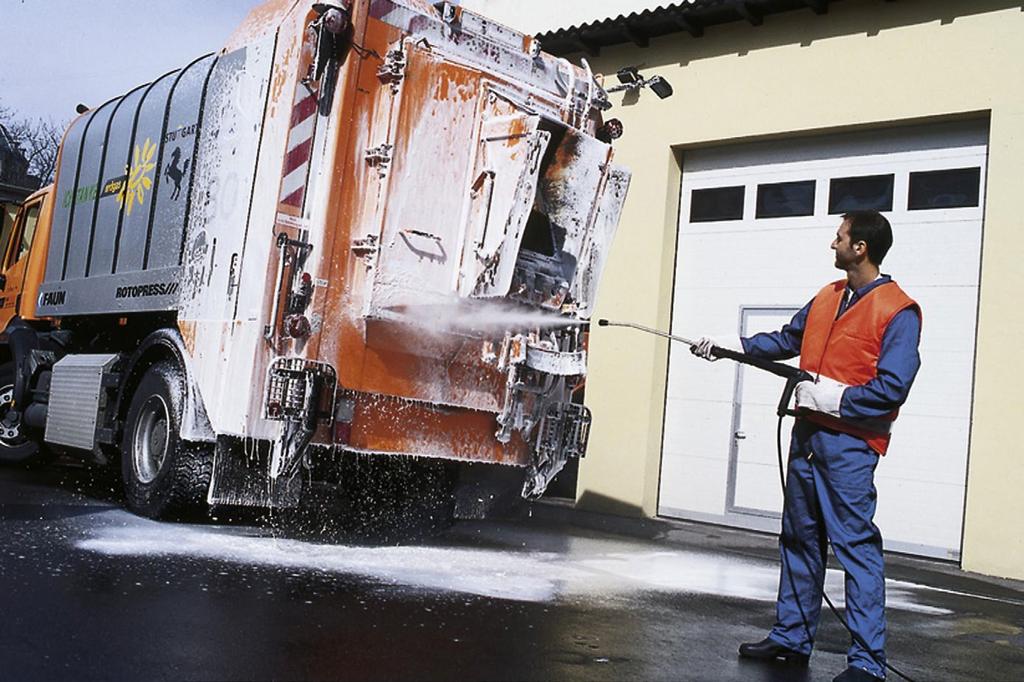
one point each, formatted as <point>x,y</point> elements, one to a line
<point>898,363</point>
<point>780,345</point>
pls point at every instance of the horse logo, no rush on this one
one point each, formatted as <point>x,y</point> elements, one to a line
<point>176,173</point>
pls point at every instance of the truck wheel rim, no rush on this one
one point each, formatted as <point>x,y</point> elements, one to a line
<point>9,435</point>
<point>149,444</point>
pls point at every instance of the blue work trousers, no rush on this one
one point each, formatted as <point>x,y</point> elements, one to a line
<point>830,497</point>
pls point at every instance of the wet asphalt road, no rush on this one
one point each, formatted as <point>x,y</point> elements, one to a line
<point>92,592</point>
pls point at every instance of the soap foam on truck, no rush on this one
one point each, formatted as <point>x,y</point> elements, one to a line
<point>361,229</point>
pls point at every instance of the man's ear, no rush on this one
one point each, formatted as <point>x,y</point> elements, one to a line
<point>860,247</point>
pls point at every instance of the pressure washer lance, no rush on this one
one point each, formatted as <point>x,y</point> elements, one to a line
<point>793,376</point>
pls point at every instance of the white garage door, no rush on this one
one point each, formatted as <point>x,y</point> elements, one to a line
<point>756,222</point>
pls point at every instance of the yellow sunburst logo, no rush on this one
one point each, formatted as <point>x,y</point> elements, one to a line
<point>139,180</point>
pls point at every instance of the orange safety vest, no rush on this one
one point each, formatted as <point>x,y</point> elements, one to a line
<point>847,349</point>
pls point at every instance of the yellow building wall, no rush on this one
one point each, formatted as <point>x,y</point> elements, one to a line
<point>865,63</point>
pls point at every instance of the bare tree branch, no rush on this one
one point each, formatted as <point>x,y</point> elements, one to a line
<point>38,141</point>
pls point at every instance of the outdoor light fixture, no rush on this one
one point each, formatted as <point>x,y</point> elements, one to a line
<point>450,10</point>
<point>631,81</point>
<point>661,87</point>
<point>326,33</point>
<point>611,130</point>
<point>334,15</point>
<point>628,75</point>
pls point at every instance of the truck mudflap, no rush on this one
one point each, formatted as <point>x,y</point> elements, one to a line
<point>242,475</point>
<point>561,435</point>
<point>246,472</point>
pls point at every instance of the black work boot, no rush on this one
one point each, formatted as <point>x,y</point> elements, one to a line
<point>852,674</point>
<point>770,650</point>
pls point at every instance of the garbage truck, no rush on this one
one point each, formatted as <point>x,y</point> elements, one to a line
<point>365,229</point>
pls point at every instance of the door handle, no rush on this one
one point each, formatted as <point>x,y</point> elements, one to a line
<point>739,435</point>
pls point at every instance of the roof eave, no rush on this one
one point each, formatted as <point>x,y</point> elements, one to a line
<point>690,17</point>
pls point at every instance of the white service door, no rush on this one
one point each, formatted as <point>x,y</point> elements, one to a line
<point>754,486</point>
<point>756,222</point>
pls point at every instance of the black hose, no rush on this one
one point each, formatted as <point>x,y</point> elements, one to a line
<point>831,606</point>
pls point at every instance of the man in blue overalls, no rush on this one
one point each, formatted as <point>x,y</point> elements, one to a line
<point>859,338</point>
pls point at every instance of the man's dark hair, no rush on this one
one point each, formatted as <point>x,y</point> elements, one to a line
<point>873,229</point>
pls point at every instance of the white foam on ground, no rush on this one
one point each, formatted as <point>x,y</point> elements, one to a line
<point>580,569</point>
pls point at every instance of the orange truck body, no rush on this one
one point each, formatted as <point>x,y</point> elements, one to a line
<point>374,227</point>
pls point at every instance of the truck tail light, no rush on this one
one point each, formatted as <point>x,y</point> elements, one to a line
<point>299,389</point>
<point>298,326</point>
<point>344,412</point>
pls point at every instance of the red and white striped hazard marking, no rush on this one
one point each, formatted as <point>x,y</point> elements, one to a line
<point>300,147</point>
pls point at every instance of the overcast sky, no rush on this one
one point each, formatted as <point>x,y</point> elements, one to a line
<point>57,53</point>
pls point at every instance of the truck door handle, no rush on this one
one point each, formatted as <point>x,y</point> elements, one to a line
<point>739,435</point>
<point>233,275</point>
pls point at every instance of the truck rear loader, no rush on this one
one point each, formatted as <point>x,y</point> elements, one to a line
<point>367,230</point>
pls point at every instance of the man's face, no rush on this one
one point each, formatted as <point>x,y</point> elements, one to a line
<point>847,254</point>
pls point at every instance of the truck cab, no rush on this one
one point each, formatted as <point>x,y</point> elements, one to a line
<point>23,244</point>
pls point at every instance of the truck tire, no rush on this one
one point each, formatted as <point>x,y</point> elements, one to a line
<point>15,445</point>
<point>164,476</point>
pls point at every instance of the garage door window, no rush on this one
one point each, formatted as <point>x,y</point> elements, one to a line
<point>864,193</point>
<point>716,203</point>
<point>953,188</point>
<point>785,199</point>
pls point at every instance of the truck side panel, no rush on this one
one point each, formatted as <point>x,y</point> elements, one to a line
<point>65,194</point>
<point>90,178</point>
<point>230,237</point>
<point>122,191</point>
<point>175,173</point>
<point>126,242</point>
<point>116,157</point>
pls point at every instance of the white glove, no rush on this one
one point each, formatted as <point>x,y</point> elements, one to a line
<point>823,396</point>
<point>702,349</point>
